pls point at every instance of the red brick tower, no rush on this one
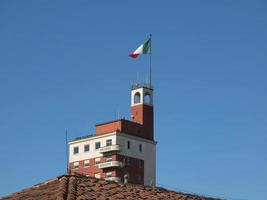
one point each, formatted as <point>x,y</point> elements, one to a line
<point>142,111</point>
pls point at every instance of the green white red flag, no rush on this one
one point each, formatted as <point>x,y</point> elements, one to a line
<point>144,48</point>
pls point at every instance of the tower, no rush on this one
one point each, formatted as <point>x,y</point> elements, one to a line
<point>142,109</point>
<point>120,150</point>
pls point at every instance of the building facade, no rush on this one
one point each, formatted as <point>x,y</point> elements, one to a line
<point>120,150</point>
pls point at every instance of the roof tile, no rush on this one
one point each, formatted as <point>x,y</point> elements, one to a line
<point>80,187</point>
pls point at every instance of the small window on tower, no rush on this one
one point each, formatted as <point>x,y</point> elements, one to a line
<point>137,97</point>
<point>75,150</point>
<point>108,142</point>
<point>128,145</point>
<point>86,148</point>
<point>97,145</point>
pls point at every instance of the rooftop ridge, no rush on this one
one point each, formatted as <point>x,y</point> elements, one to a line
<point>79,186</point>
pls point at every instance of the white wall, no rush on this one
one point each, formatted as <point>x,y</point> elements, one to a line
<point>93,153</point>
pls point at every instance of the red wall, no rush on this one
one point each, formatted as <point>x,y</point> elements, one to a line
<point>134,170</point>
<point>108,127</point>
<point>144,130</point>
<point>144,114</point>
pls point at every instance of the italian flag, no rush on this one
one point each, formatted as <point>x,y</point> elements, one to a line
<point>144,48</point>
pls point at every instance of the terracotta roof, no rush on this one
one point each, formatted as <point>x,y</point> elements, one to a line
<point>80,187</point>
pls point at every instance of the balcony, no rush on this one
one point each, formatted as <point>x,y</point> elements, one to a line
<point>110,164</point>
<point>115,179</point>
<point>109,148</point>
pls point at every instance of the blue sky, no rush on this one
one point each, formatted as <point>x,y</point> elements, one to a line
<point>64,64</point>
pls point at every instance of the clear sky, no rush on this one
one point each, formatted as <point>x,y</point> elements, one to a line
<point>64,64</point>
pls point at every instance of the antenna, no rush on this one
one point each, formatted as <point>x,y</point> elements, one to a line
<point>66,147</point>
<point>118,113</point>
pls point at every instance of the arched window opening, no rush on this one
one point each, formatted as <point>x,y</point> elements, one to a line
<point>147,98</point>
<point>137,97</point>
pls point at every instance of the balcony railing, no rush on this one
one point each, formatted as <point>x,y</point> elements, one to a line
<point>115,179</point>
<point>105,149</point>
<point>110,164</point>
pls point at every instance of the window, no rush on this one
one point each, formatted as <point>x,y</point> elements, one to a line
<point>86,148</point>
<point>76,165</point>
<point>75,150</point>
<point>97,145</point>
<point>86,163</point>
<point>140,148</point>
<point>108,142</point>
<point>109,174</point>
<point>137,97</point>
<point>97,175</point>
<point>97,160</point>
<point>127,161</point>
<point>128,145</point>
<point>108,158</point>
<point>140,163</point>
<point>147,98</point>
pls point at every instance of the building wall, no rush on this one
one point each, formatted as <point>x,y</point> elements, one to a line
<point>147,156</point>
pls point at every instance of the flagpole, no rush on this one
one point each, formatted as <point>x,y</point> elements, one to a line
<point>150,68</point>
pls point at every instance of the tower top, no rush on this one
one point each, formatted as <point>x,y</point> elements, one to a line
<point>142,85</point>
<point>142,93</point>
